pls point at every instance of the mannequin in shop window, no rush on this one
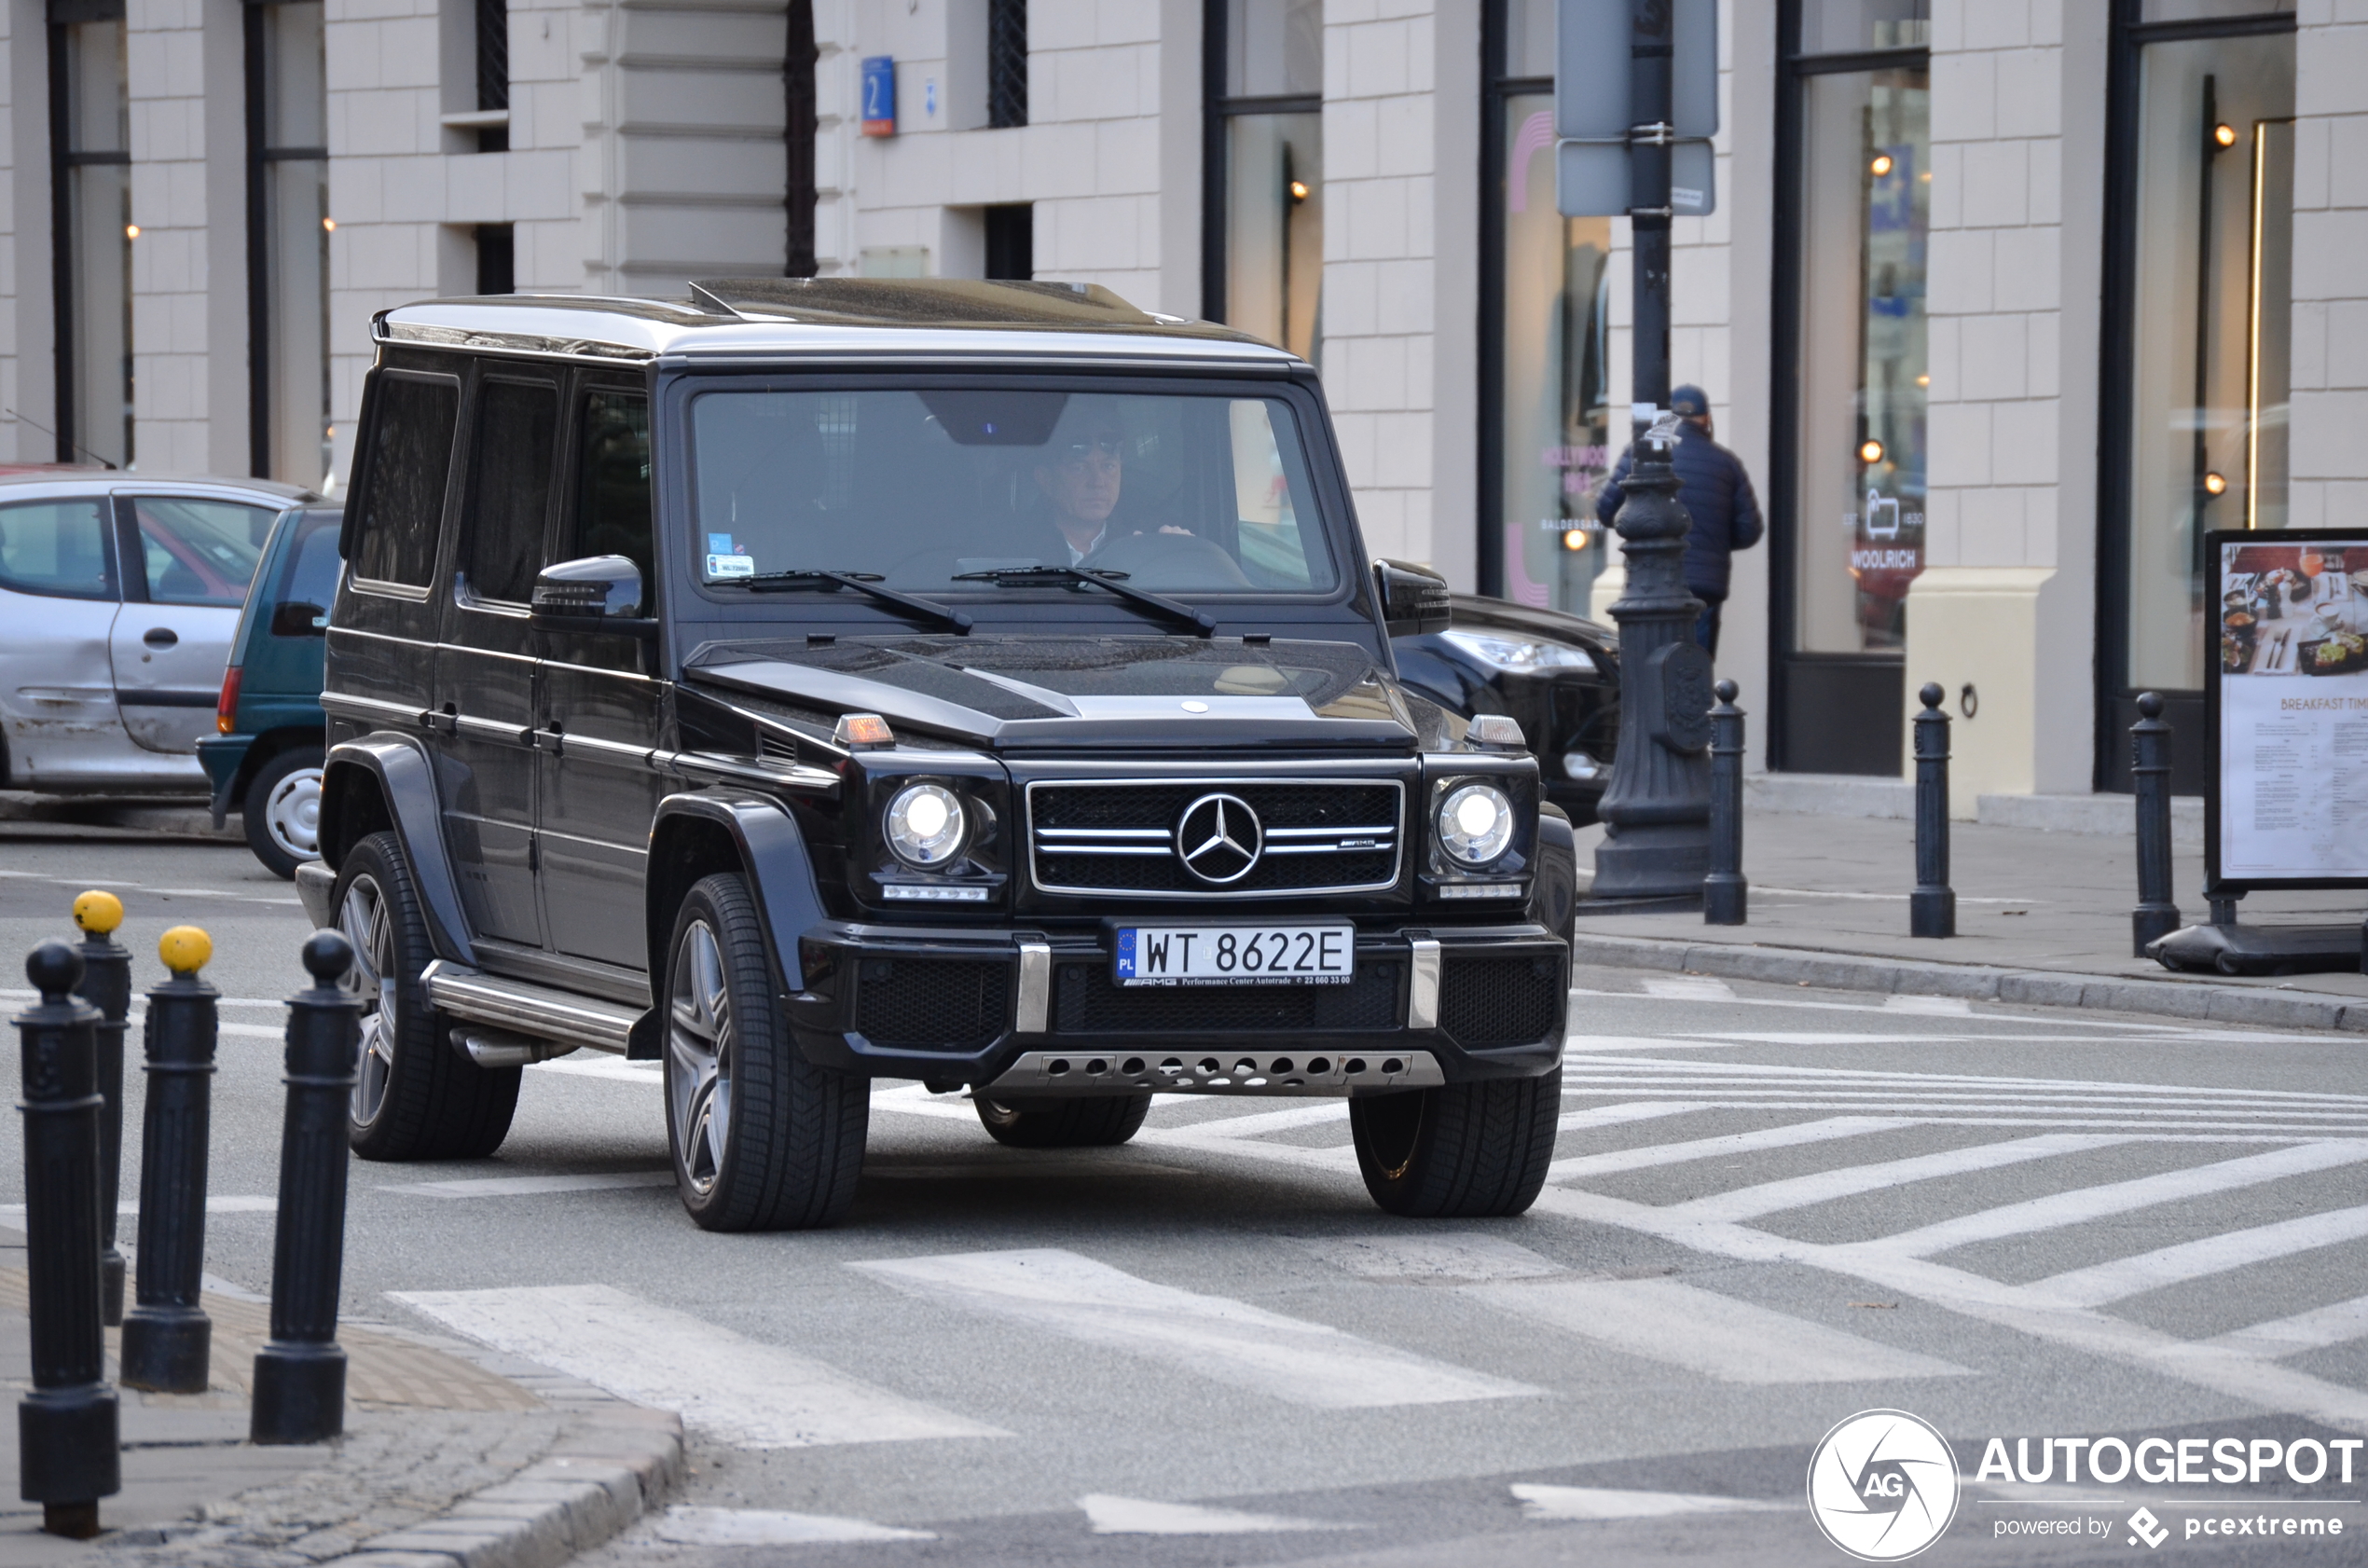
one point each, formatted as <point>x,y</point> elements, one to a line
<point>1717,494</point>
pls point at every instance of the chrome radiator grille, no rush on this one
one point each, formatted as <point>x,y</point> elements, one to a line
<point>1110,838</point>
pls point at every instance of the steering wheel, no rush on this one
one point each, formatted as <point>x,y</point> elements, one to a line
<point>1172,560</point>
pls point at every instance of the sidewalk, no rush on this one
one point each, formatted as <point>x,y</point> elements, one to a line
<point>452,1458</point>
<point>2043,917</point>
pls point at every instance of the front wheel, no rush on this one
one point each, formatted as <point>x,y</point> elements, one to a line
<point>281,813</point>
<point>762,1139</point>
<point>1091,1121</point>
<point>1461,1151</point>
<point>414,1096</point>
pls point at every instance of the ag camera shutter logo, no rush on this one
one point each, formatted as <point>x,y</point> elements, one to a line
<point>1883,1485</point>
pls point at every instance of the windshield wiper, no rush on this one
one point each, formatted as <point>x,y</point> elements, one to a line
<point>1052,576</point>
<point>863,583</point>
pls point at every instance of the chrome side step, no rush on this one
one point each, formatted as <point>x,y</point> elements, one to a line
<point>1099,1071</point>
<point>528,1009</point>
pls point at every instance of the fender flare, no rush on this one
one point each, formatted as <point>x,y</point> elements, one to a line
<point>1554,893</point>
<point>773,852</point>
<point>407,782</point>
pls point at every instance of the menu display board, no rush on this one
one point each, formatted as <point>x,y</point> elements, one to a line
<point>2287,696</point>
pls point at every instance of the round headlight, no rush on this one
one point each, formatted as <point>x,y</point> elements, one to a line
<point>924,825</point>
<point>1475,824</point>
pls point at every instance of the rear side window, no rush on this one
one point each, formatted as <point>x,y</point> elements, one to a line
<point>612,481</point>
<point>313,574</point>
<point>509,486</point>
<point>55,548</point>
<point>199,552</point>
<point>410,460</point>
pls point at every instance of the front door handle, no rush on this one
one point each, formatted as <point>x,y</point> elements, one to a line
<point>160,636</point>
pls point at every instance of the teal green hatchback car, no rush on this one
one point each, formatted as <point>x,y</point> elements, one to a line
<point>265,761</point>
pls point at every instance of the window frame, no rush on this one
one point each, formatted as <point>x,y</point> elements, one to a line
<point>59,15</point>
<point>366,477</point>
<point>1783,505</point>
<point>260,156</point>
<point>2115,702</point>
<point>1217,107</point>
<point>504,372</point>
<point>110,551</point>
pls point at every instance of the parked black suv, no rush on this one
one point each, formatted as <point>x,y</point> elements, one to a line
<point>978,684</point>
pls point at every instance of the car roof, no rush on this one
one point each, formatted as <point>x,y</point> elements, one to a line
<point>114,481</point>
<point>731,318</point>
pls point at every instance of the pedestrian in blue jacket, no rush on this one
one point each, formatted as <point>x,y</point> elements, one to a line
<point>1717,494</point>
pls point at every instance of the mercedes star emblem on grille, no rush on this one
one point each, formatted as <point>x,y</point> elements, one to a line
<point>1218,838</point>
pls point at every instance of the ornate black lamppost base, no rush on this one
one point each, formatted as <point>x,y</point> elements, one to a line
<point>300,1393</point>
<point>168,1350</point>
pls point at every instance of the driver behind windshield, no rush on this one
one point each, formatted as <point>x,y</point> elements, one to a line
<point>1080,475</point>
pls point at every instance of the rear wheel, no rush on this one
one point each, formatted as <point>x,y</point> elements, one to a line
<point>1461,1151</point>
<point>414,1096</point>
<point>762,1139</point>
<point>282,810</point>
<point>1092,1122</point>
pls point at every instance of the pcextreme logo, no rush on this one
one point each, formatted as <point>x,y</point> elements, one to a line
<point>1883,1485</point>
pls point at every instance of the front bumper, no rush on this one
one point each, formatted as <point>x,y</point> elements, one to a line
<point>1429,1004</point>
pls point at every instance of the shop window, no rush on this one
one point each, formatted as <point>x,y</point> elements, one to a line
<point>1546,341</point>
<point>289,224</point>
<point>2198,334</point>
<point>1847,454</point>
<point>1265,268</point>
<point>90,131</point>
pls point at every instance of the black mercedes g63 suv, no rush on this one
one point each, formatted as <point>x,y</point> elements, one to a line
<point>815,682</point>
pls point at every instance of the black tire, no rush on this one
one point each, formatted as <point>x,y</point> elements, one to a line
<point>761,1139</point>
<point>1464,1152</point>
<point>415,1098</point>
<point>1091,1121</point>
<point>281,811</point>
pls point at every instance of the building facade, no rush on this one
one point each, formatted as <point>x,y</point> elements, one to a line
<point>2002,302</point>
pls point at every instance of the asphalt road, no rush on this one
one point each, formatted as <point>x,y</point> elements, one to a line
<point>1772,1209</point>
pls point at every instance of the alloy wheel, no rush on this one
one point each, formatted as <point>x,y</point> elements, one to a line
<point>364,922</point>
<point>699,1050</point>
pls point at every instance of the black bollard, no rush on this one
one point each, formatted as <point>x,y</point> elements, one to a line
<point>67,1456</point>
<point>167,1336</point>
<point>1725,895</point>
<point>299,1376</point>
<point>2157,914</point>
<point>106,984</point>
<point>1932,908</point>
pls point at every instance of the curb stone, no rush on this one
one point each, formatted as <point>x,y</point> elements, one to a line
<point>2192,999</point>
<point>614,1465</point>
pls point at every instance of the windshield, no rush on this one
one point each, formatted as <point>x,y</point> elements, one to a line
<point>933,491</point>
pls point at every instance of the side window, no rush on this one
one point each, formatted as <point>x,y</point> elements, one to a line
<point>313,574</point>
<point>55,548</point>
<point>411,458</point>
<point>199,552</point>
<point>509,486</point>
<point>612,481</point>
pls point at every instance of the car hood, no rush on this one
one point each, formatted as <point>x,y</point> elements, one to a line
<point>1067,691</point>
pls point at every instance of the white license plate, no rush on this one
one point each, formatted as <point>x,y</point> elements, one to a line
<point>1237,955</point>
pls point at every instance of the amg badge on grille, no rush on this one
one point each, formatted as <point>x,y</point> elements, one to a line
<point>1218,838</point>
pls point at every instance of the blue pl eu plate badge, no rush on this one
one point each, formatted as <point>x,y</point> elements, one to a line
<point>1126,955</point>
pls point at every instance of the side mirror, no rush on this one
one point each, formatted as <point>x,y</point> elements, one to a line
<point>295,618</point>
<point>598,593</point>
<point>1414,598</point>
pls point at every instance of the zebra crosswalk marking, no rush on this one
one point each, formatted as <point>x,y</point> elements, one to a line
<point>1231,1341</point>
<point>747,1392</point>
<point>2335,1323</point>
<point>1717,1336</point>
<point>2083,1205</point>
<point>1771,1197</point>
<point>2125,1277</point>
<point>1733,1143</point>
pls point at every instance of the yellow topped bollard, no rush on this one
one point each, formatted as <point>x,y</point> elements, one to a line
<point>184,949</point>
<point>98,914</point>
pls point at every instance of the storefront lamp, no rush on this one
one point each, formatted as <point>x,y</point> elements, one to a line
<point>328,226</point>
<point>2215,483</point>
<point>131,232</point>
<point>1574,538</point>
<point>2224,134</point>
<point>1299,190</point>
<point>1870,451</point>
<point>1882,166</point>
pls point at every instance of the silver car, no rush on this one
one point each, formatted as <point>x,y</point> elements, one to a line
<point>119,595</point>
